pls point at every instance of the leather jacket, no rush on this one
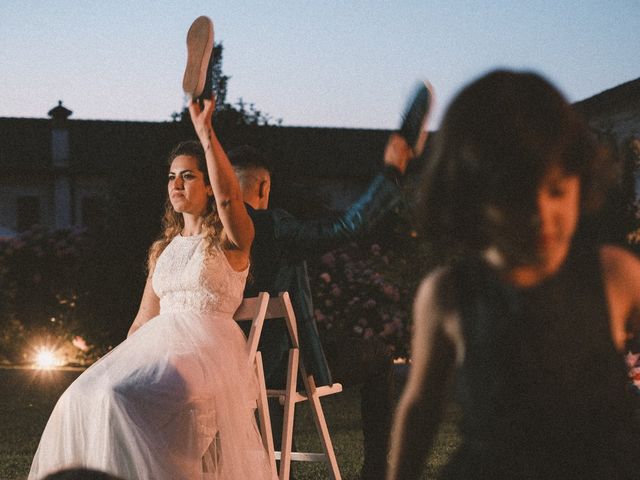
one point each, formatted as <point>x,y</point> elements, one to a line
<point>281,244</point>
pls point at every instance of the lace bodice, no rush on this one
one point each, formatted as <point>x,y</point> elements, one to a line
<point>185,281</point>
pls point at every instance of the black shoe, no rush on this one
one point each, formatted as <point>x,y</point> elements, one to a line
<point>414,118</point>
<point>197,74</point>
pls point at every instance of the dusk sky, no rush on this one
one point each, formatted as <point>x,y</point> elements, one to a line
<point>312,63</point>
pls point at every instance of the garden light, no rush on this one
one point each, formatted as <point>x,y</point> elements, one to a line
<point>401,361</point>
<point>46,359</point>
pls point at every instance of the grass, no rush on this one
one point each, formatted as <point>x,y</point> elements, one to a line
<point>28,396</point>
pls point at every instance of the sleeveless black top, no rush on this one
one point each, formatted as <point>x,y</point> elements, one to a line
<point>544,392</point>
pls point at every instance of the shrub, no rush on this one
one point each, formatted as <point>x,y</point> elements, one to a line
<point>47,281</point>
<point>366,288</point>
<point>352,295</point>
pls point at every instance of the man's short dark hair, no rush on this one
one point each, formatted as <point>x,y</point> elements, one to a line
<point>246,157</point>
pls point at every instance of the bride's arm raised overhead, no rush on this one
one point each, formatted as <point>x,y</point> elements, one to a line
<point>238,227</point>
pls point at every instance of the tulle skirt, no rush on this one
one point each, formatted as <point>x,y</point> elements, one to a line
<point>174,401</point>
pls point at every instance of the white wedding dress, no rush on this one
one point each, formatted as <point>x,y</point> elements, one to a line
<point>173,401</point>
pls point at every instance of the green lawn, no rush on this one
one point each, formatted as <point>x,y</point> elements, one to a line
<point>27,398</point>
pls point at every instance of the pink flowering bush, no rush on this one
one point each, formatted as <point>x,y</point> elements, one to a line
<point>46,285</point>
<point>356,294</point>
<point>633,366</point>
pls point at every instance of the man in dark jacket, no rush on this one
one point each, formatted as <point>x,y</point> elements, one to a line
<point>281,244</point>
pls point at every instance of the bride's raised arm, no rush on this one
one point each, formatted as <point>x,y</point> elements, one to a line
<point>226,189</point>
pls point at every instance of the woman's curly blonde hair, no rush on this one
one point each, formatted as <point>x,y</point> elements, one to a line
<point>173,222</point>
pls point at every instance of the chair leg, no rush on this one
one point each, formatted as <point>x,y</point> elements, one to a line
<point>289,414</point>
<point>263,413</point>
<point>321,426</point>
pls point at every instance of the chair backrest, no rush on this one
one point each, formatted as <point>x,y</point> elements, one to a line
<point>303,336</point>
<point>280,307</point>
<point>255,310</point>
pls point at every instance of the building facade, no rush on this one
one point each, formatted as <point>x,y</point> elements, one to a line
<point>61,173</point>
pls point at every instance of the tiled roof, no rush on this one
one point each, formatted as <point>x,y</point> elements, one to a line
<point>625,96</point>
<point>25,143</point>
<point>323,152</point>
<point>96,146</point>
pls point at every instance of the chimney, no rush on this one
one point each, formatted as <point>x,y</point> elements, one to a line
<point>63,188</point>
<point>59,114</point>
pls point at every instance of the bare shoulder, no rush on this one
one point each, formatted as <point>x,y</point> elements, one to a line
<point>620,266</point>
<point>435,293</point>
<point>435,308</point>
<point>152,256</point>
<point>621,272</point>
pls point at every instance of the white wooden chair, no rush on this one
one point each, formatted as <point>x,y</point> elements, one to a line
<point>281,308</point>
<point>254,310</point>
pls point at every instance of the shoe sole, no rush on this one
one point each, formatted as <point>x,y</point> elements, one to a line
<point>199,47</point>
<point>415,116</point>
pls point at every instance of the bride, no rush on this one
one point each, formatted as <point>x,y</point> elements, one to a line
<point>173,401</point>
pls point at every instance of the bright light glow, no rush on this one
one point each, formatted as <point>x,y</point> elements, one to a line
<point>46,359</point>
<point>401,361</point>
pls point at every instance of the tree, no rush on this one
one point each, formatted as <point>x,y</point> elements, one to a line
<point>228,115</point>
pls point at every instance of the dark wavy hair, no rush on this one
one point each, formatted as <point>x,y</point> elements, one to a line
<point>499,137</point>
<point>173,222</point>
